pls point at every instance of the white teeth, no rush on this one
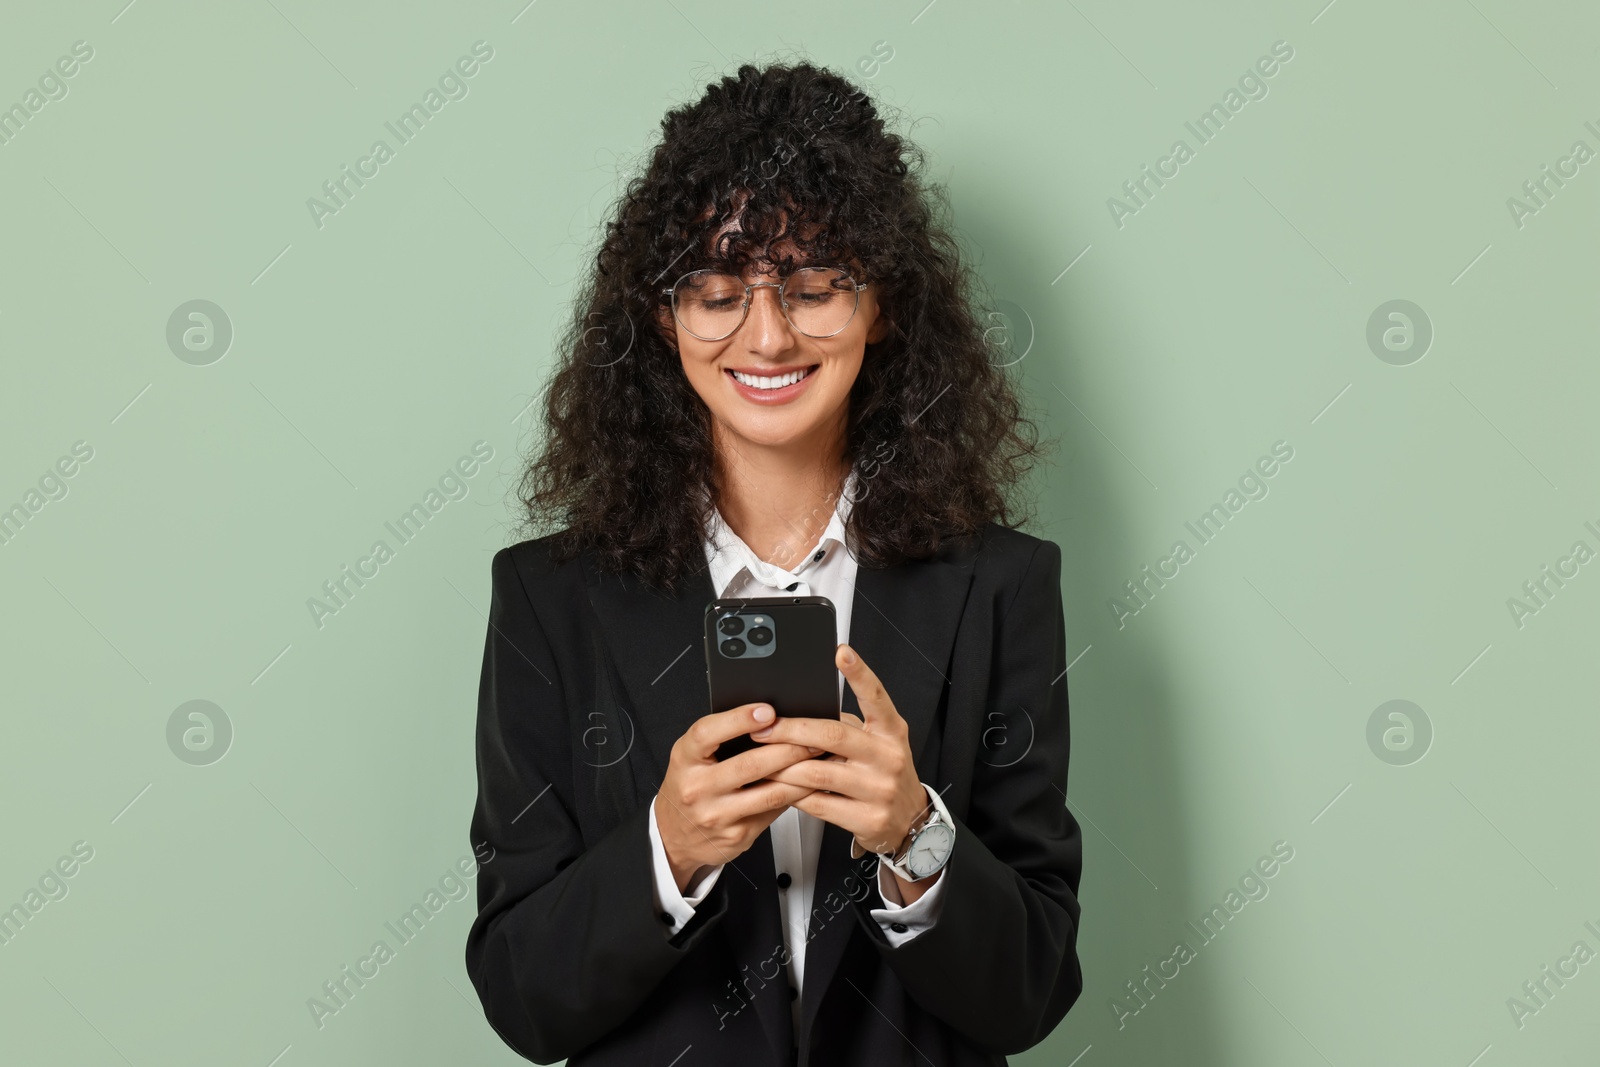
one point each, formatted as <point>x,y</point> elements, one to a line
<point>760,382</point>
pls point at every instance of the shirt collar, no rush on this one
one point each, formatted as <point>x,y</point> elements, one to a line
<point>730,558</point>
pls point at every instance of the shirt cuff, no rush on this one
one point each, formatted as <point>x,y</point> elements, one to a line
<point>664,888</point>
<point>920,915</point>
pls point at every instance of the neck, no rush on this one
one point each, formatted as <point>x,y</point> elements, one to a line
<point>779,499</point>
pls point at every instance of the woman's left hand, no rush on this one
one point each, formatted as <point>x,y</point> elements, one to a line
<point>869,784</point>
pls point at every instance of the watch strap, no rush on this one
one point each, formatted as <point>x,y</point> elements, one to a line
<point>937,804</point>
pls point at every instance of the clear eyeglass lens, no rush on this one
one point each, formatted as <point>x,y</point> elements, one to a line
<point>819,302</point>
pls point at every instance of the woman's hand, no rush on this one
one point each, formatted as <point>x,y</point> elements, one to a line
<point>869,784</point>
<point>709,817</point>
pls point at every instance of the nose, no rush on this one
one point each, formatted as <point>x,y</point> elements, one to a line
<point>766,329</point>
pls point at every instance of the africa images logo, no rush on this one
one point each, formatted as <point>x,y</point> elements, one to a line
<point>452,86</point>
<point>1253,886</point>
<point>454,484</point>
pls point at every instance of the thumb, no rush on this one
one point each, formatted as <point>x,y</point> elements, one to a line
<point>876,707</point>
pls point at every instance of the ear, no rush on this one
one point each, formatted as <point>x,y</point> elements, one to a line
<point>881,327</point>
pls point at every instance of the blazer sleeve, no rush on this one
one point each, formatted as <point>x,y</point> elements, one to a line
<point>567,942</point>
<point>1001,965</point>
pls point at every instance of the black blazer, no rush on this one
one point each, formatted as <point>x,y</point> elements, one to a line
<point>588,679</point>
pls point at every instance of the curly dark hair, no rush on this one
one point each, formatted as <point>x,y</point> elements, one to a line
<point>936,430</point>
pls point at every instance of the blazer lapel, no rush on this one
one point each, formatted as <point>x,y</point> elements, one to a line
<point>903,623</point>
<point>656,641</point>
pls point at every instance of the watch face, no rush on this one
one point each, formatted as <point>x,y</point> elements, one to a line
<point>929,851</point>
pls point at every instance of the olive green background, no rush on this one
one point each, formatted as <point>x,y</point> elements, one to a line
<point>1226,314</point>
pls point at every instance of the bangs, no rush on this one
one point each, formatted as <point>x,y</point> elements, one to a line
<point>762,225</point>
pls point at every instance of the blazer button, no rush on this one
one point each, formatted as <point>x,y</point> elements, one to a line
<point>784,880</point>
<point>667,918</point>
<point>898,928</point>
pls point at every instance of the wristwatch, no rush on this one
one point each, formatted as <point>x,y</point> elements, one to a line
<point>926,848</point>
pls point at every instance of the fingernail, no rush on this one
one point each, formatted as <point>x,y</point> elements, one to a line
<point>813,751</point>
<point>848,657</point>
<point>763,713</point>
<point>765,731</point>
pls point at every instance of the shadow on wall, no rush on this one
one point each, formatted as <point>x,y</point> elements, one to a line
<point>1125,779</point>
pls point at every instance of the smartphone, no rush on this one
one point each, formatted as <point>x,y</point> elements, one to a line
<point>774,649</point>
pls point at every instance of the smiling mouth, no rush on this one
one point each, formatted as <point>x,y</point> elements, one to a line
<point>780,381</point>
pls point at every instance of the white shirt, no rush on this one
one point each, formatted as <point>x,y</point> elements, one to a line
<point>827,570</point>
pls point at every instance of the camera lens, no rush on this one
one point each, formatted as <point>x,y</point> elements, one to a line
<point>760,635</point>
<point>733,648</point>
<point>731,625</point>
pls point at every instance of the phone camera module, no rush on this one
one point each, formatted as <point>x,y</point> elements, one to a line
<point>743,631</point>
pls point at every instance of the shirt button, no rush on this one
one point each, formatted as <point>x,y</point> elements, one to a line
<point>784,880</point>
<point>898,928</point>
<point>817,556</point>
<point>791,587</point>
<point>793,993</point>
<point>667,918</point>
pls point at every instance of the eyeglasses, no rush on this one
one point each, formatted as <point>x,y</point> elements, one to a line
<point>817,301</point>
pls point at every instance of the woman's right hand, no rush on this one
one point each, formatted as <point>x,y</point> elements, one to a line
<point>704,812</point>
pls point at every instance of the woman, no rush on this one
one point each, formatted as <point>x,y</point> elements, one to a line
<point>775,384</point>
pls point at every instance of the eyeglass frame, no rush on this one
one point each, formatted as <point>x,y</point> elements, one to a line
<point>783,305</point>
